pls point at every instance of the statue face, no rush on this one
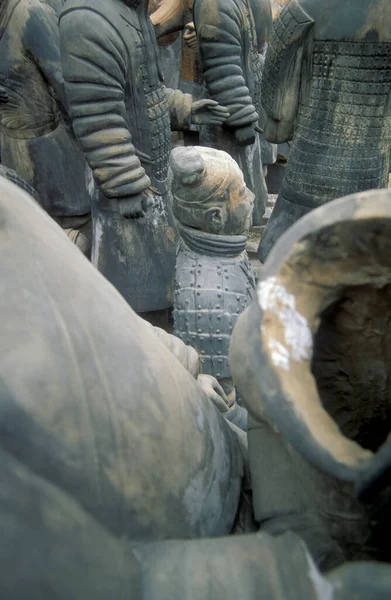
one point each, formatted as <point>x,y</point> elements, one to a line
<point>240,208</point>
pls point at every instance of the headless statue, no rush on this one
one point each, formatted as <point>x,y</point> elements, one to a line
<point>327,87</point>
<point>123,115</point>
<point>113,459</point>
<point>35,137</point>
<point>214,279</point>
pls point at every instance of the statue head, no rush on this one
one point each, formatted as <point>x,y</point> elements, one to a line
<point>209,193</point>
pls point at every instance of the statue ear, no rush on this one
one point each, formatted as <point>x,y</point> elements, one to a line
<point>213,220</point>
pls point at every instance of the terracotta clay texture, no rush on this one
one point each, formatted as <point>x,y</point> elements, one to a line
<point>319,372</point>
<point>327,87</point>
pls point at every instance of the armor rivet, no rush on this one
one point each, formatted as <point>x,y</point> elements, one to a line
<point>217,330</point>
<point>220,339</point>
<point>226,289</point>
<point>218,306</point>
<point>219,287</point>
<point>198,293</point>
<point>199,307</point>
<point>199,330</point>
<point>198,285</point>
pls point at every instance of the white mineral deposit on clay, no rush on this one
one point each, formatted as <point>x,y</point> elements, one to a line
<point>280,355</point>
<point>273,297</point>
<point>97,242</point>
<point>90,183</point>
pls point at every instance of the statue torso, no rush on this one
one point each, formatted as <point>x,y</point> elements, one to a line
<point>211,292</point>
<point>31,109</point>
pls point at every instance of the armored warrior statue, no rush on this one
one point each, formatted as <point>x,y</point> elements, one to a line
<point>35,134</point>
<point>327,86</point>
<point>232,37</point>
<point>122,115</point>
<point>214,279</point>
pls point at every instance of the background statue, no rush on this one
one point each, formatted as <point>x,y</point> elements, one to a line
<point>170,17</point>
<point>108,447</point>
<point>327,86</point>
<point>214,279</point>
<point>36,139</point>
<point>315,376</point>
<point>232,36</point>
<point>122,115</point>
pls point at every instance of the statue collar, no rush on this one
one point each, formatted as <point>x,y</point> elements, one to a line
<point>211,244</point>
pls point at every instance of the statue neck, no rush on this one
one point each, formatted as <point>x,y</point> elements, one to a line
<point>211,244</point>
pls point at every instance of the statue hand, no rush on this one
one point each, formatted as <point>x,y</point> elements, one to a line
<point>245,135</point>
<point>3,94</point>
<point>135,207</point>
<point>190,35</point>
<point>211,387</point>
<point>208,112</point>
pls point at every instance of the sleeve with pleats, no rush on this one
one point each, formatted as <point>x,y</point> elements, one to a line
<point>94,69</point>
<point>220,44</point>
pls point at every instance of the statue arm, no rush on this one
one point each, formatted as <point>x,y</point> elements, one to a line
<point>169,17</point>
<point>221,56</point>
<point>282,73</point>
<point>180,109</point>
<point>41,42</point>
<point>92,55</point>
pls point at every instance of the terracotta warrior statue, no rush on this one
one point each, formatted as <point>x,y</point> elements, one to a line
<point>119,477</point>
<point>232,37</point>
<point>214,279</point>
<point>36,138</point>
<point>327,87</point>
<point>122,115</point>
